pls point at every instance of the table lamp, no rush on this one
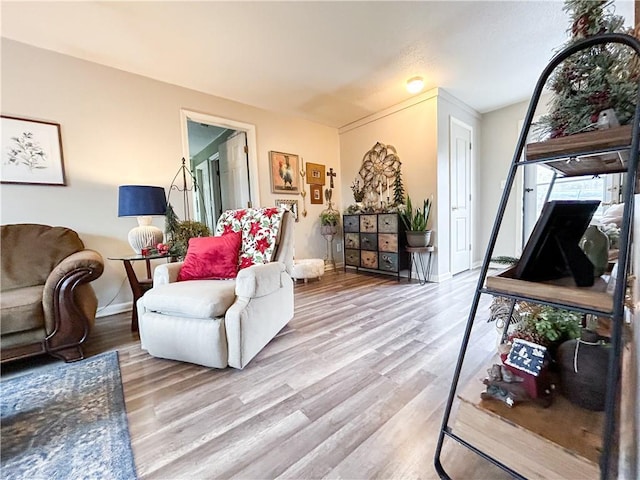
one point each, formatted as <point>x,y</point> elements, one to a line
<point>142,201</point>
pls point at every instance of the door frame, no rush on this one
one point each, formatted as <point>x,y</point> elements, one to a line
<point>453,120</point>
<point>252,145</point>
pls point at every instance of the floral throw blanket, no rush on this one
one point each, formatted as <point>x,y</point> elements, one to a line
<point>259,226</point>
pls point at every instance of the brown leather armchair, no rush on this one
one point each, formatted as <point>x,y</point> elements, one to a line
<point>46,302</point>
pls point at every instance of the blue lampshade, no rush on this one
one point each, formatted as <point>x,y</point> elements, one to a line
<point>141,200</point>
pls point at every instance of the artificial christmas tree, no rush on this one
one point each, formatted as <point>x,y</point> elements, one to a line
<point>592,81</point>
<point>398,188</point>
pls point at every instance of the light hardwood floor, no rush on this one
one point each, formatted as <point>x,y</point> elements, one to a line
<point>354,387</point>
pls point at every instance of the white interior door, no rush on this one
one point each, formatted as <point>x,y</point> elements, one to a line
<point>234,172</point>
<point>460,188</point>
<point>203,200</point>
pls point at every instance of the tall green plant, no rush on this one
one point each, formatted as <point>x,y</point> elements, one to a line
<point>398,188</point>
<point>171,223</point>
<point>416,221</point>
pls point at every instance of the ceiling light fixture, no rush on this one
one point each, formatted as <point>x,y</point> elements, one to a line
<point>415,84</point>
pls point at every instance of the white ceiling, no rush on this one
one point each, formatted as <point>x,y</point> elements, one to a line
<point>330,62</point>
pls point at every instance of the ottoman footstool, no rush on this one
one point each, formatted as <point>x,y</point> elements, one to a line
<point>307,268</point>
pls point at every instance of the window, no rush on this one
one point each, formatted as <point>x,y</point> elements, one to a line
<point>606,188</point>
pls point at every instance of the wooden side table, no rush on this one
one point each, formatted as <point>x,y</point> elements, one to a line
<point>138,286</point>
<point>416,258</point>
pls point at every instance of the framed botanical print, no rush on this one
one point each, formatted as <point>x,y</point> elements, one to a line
<point>291,205</point>
<point>31,152</point>
<point>285,176</point>
<point>315,193</point>
<point>315,174</point>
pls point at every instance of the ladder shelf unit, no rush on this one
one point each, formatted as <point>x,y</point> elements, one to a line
<point>563,440</point>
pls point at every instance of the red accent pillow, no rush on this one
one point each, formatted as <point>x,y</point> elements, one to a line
<point>211,257</point>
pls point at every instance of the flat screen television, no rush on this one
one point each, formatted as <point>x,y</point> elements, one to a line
<point>553,249</point>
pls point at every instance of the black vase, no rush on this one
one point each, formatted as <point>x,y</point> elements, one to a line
<point>583,371</point>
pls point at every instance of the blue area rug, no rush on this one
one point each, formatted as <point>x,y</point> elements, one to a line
<point>66,422</point>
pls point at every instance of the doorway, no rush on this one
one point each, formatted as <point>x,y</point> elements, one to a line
<point>460,188</point>
<point>233,173</point>
<point>222,157</point>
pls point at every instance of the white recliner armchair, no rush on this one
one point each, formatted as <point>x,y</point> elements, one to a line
<point>219,323</point>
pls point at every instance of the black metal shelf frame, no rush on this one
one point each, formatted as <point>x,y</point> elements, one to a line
<point>614,366</point>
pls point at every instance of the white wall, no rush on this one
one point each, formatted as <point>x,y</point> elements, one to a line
<point>499,137</point>
<point>419,130</point>
<point>120,128</point>
<point>411,128</point>
<point>498,141</point>
<point>449,107</point>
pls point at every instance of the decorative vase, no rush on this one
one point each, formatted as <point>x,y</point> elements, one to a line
<point>583,370</point>
<point>418,238</point>
<point>595,245</point>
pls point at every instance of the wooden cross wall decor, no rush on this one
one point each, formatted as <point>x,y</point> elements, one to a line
<point>331,175</point>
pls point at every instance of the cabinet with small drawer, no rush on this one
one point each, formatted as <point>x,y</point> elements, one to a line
<point>351,223</point>
<point>375,242</point>
<point>352,257</point>
<point>351,240</point>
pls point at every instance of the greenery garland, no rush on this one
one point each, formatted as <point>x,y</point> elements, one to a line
<point>588,82</point>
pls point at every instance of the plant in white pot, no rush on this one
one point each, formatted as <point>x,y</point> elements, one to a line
<point>416,222</point>
<point>329,222</point>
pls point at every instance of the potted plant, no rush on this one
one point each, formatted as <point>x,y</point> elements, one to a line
<point>547,326</point>
<point>416,223</point>
<point>179,232</point>
<point>329,222</point>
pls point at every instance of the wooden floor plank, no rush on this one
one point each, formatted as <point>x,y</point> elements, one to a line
<point>353,387</point>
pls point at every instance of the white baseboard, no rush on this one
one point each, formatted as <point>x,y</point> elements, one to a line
<point>113,309</point>
<point>441,278</point>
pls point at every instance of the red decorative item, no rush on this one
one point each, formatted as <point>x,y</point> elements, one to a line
<point>580,27</point>
<point>537,387</point>
<point>212,258</point>
<point>162,248</point>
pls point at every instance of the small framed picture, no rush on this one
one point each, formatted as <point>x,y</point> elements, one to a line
<point>291,205</point>
<point>316,174</point>
<point>315,192</point>
<point>31,152</point>
<point>285,176</point>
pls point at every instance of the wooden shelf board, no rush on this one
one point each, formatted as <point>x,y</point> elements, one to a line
<point>563,290</point>
<point>562,441</point>
<point>611,147</point>
<point>598,164</point>
<point>600,140</point>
